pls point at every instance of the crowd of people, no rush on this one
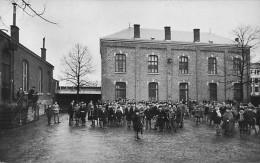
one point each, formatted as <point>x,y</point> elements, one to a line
<point>166,115</point>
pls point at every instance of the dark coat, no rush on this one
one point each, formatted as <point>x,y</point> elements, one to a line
<point>258,117</point>
<point>128,114</point>
<point>148,114</point>
<point>216,119</point>
<point>161,117</point>
<point>137,123</point>
<point>70,110</point>
<point>103,115</point>
<point>119,114</point>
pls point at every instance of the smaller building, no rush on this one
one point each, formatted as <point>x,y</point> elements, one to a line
<point>255,77</point>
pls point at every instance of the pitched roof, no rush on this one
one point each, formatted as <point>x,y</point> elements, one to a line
<point>178,36</point>
<point>25,48</point>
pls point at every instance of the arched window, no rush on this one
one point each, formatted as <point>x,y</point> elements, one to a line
<point>49,82</point>
<point>183,65</point>
<point>213,91</point>
<point>120,61</point>
<point>40,80</point>
<point>120,90</point>
<point>153,91</point>
<point>212,65</point>
<point>184,92</point>
<point>236,65</point>
<point>6,76</point>
<point>237,92</point>
<point>152,64</point>
<point>25,75</point>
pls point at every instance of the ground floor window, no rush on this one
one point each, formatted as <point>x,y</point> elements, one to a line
<point>153,91</point>
<point>213,91</point>
<point>120,90</point>
<point>237,93</point>
<point>184,92</point>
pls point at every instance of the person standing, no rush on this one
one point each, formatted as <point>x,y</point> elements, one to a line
<point>83,113</point>
<point>48,112</point>
<point>172,118</point>
<point>56,109</point>
<point>137,124</point>
<point>30,96</point>
<point>216,117</point>
<point>71,112</point>
<point>148,116</point>
<point>20,97</point>
<point>258,118</point>
<point>161,118</point>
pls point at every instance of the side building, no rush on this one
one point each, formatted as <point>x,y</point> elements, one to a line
<point>20,67</point>
<point>255,78</point>
<point>160,65</point>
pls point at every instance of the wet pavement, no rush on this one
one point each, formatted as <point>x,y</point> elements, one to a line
<point>38,142</point>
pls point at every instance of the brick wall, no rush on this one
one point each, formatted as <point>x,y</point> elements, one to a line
<point>169,77</point>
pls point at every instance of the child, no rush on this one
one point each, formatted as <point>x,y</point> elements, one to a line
<point>49,113</point>
<point>137,124</point>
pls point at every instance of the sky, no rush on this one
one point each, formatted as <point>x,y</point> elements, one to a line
<point>86,21</point>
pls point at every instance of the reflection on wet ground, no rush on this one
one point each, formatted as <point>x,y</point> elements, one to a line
<point>38,142</point>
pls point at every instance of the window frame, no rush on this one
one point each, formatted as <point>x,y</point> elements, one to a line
<point>184,90</point>
<point>120,63</point>
<point>153,61</point>
<point>153,88</point>
<point>236,65</point>
<point>213,91</point>
<point>25,75</point>
<point>184,65</point>
<point>40,77</point>
<point>212,65</point>
<point>120,90</point>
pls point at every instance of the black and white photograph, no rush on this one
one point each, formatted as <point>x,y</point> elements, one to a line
<point>129,81</point>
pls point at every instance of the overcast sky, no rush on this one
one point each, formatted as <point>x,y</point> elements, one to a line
<point>86,21</point>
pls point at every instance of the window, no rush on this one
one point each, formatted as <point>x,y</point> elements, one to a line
<point>153,64</point>
<point>236,65</point>
<point>183,65</point>
<point>153,91</point>
<point>6,76</point>
<point>212,65</point>
<point>237,93</point>
<point>256,89</point>
<point>213,91</point>
<point>49,82</point>
<point>183,91</point>
<point>40,80</point>
<point>256,80</point>
<point>25,76</point>
<point>120,90</point>
<point>120,63</point>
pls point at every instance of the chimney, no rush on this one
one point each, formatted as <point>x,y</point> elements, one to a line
<point>14,28</point>
<point>136,31</point>
<point>196,33</point>
<point>43,50</point>
<point>167,33</point>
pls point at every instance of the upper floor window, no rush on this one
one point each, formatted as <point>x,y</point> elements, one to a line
<point>212,65</point>
<point>120,90</point>
<point>236,65</point>
<point>120,62</point>
<point>183,65</point>
<point>153,91</point>
<point>25,76</point>
<point>153,64</point>
<point>40,80</point>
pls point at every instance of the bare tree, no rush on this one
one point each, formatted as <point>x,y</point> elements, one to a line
<point>29,10</point>
<point>77,65</point>
<point>247,39</point>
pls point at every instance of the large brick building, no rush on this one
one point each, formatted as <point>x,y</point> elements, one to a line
<point>20,67</point>
<point>159,65</point>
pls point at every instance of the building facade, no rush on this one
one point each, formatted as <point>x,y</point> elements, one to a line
<point>20,67</point>
<point>255,79</point>
<point>160,65</point>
